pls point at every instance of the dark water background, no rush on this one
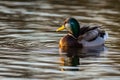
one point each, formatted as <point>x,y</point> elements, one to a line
<point>29,43</point>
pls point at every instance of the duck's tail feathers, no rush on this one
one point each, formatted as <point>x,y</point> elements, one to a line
<point>105,36</point>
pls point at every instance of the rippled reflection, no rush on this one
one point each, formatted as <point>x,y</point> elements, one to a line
<point>70,57</point>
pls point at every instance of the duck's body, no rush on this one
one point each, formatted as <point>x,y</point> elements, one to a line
<point>84,36</point>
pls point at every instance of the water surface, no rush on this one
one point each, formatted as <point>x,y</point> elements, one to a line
<point>29,43</point>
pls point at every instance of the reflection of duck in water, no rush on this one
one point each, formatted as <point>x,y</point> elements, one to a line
<point>81,36</point>
<point>70,57</point>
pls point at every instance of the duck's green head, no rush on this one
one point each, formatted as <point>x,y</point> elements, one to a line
<point>72,26</point>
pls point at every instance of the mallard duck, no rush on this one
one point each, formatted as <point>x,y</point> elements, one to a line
<point>81,36</point>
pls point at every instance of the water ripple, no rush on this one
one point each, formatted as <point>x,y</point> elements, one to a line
<point>29,42</point>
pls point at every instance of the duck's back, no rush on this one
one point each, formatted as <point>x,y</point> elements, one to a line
<point>89,33</point>
<point>92,36</point>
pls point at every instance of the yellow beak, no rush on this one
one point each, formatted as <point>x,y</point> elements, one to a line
<point>61,28</point>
